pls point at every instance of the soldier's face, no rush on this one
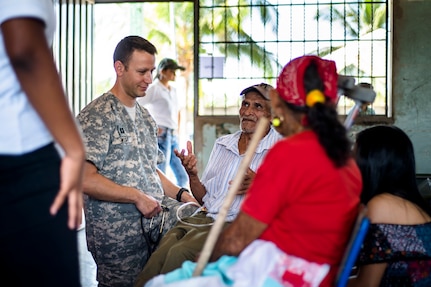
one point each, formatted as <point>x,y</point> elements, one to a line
<point>138,73</point>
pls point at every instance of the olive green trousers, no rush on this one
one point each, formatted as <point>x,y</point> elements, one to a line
<point>183,242</point>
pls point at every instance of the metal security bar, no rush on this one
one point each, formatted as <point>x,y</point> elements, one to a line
<point>246,42</point>
<point>72,50</point>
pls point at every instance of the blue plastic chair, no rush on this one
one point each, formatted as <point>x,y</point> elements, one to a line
<point>353,248</point>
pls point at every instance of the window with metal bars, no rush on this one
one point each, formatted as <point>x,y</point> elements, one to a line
<point>247,42</point>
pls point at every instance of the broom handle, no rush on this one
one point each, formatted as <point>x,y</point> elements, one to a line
<point>215,230</point>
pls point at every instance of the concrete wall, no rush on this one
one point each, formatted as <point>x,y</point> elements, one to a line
<point>207,130</point>
<point>411,88</point>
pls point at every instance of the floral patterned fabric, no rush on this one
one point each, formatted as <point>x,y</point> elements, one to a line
<point>406,249</point>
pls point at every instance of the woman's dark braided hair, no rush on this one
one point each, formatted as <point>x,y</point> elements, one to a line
<point>323,119</point>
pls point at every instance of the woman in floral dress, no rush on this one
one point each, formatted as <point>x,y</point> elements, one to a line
<point>397,248</point>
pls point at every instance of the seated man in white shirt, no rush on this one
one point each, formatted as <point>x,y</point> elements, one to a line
<point>185,241</point>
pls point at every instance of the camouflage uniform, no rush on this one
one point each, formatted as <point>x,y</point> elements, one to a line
<point>127,153</point>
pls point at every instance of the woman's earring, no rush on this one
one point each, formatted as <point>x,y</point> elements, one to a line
<point>276,121</point>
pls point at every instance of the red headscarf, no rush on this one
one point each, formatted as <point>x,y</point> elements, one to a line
<point>290,82</point>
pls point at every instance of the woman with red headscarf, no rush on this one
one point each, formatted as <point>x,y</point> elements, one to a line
<point>305,196</point>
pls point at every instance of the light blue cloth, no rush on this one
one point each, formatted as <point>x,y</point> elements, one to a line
<point>261,264</point>
<point>217,268</point>
<point>214,275</point>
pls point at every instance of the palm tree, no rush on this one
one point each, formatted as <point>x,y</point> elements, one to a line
<point>225,26</point>
<point>357,19</point>
<point>170,24</point>
<point>221,25</point>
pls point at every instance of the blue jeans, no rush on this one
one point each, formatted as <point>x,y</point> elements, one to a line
<point>167,143</point>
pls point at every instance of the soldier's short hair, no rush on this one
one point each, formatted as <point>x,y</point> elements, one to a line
<point>127,45</point>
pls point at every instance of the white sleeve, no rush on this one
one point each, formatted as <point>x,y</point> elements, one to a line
<point>39,9</point>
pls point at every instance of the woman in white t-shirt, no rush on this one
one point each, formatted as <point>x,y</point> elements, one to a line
<point>40,190</point>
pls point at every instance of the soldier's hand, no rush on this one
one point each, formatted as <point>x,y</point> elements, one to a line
<point>148,205</point>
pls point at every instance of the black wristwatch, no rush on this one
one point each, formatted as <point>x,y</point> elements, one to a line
<point>180,193</point>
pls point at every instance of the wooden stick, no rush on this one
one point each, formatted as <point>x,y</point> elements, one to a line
<point>215,230</point>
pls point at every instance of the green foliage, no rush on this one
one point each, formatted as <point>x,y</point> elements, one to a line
<point>357,19</point>
<point>224,24</point>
